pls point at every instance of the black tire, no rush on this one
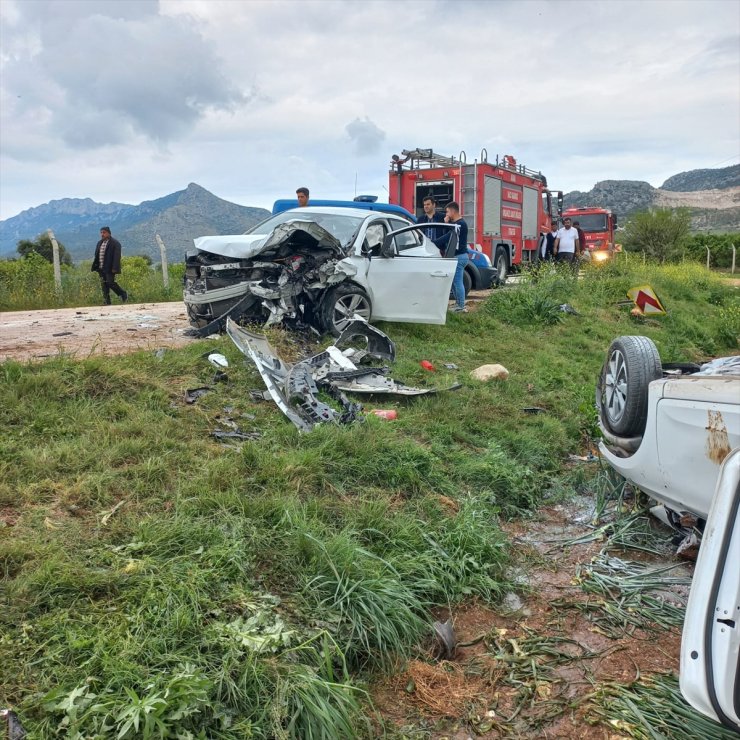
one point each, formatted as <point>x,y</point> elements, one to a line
<point>467,281</point>
<point>632,363</point>
<point>341,304</point>
<point>501,263</point>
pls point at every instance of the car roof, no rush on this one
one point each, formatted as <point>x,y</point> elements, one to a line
<point>388,208</point>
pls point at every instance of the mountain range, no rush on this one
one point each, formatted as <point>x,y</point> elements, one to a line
<point>178,218</point>
<point>712,195</point>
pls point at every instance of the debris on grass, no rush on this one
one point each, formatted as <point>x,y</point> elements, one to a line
<point>652,708</point>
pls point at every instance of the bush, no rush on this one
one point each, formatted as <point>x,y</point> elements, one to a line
<point>720,247</point>
<point>659,233</point>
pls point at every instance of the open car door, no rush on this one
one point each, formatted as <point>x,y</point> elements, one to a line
<point>409,280</point>
<point>710,646</point>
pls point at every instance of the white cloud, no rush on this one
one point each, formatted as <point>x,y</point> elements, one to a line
<point>130,100</point>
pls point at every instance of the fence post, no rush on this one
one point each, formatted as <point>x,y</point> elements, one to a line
<point>733,259</point>
<point>163,257</point>
<point>708,255</point>
<point>57,268</point>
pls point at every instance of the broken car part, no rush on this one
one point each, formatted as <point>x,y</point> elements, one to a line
<point>295,388</point>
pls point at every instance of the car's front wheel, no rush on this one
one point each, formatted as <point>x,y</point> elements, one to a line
<point>341,305</point>
<point>632,363</point>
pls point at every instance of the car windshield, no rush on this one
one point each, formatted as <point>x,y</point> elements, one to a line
<point>591,222</point>
<point>343,227</point>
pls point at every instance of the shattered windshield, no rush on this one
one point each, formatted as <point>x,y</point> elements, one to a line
<point>343,227</point>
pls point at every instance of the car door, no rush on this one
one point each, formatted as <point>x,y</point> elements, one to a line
<point>409,281</point>
<point>710,645</point>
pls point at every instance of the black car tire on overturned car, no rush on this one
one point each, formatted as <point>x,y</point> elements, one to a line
<point>632,363</point>
<point>340,304</point>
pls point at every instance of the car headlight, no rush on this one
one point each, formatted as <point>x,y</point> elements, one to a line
<point>487,259</point>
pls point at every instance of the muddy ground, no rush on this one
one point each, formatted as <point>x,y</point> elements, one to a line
<point>90,330</point>
<point>537,662</point>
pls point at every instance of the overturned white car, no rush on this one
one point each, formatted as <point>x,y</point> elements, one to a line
<point>322,267</point>
<point>674,431</point>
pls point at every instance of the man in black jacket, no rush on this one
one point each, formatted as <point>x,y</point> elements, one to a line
<point>107,263</point>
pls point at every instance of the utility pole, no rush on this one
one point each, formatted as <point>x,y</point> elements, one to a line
<point>57,267</point>
<point>163,257</point>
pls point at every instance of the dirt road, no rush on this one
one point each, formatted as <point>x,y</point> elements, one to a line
<point>109,330</point>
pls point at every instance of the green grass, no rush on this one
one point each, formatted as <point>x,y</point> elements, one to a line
<point>156,583</point>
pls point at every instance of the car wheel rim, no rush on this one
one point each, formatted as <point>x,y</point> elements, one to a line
<point>347,306</point>
<point>615,386</point>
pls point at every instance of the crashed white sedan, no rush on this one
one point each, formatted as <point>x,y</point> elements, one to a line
<point>674,431</point>
<point>321,267</point>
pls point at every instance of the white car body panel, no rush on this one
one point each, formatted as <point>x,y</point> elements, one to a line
<point>710,644</point>
<point>669,464</point>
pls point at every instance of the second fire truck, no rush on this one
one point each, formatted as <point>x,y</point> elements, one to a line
<point>505,204</point>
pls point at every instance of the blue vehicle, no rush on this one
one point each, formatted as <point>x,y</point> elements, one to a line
<point>479,273</point>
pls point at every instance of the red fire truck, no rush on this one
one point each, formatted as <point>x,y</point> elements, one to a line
<point>598,225</point>
<point>505,204</point>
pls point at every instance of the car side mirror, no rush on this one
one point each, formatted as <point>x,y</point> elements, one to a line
<point>388,248</point>
<point>614,220</point>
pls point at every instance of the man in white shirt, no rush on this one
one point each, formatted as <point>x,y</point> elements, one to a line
<point>567,245</point>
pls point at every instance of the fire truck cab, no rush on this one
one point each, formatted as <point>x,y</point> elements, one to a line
<point>598,225</point>
<point>505,204</point>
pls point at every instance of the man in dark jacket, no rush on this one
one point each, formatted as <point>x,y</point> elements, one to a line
<point>107,263</point>
<point>430,216</point>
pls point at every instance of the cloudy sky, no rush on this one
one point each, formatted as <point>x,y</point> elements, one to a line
<point>129,100</point>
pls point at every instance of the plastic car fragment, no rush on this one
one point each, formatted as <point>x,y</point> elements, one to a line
<point>295,388</point>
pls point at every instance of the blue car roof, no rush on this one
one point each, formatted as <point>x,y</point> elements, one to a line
<point>286,204</point>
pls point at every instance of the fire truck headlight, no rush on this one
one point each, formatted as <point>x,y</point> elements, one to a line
<point>600,256</point>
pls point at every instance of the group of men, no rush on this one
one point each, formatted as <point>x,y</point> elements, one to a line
<point>563,244</point>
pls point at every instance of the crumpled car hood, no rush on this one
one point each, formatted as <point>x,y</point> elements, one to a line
<point>247,246</point>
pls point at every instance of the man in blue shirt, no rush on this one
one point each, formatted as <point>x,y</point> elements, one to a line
<point>452,216</point>
<point>431,217</point>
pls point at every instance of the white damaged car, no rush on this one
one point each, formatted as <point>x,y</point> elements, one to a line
<point>320,266</point>
<point>674,431</point>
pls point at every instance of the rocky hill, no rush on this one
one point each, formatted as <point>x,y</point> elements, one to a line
<point>726,177</point>
<point>178,218</point>
<point>713,196</point>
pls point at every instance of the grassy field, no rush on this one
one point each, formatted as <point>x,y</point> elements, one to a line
<point>157,583</point>
<point>28,284</point>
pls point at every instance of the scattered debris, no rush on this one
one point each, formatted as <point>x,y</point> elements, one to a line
<point>63,334</point>
<point>193,394</point>
<point>236,434</point>
<point>512,602</point>
<point>567,308</point>
<point>295,388</point>
<point>217,360</point>
<point>534,410</point>
<point>490,372</point>
<point>13,730</point>
<point>583,458</point>
<point>160,353</point>
<point>220,377</point>
<point>451,366</point>
<point>106,517</point>
<point>446,639</point>
<point>427,365</point>
<point>388,414</point>
<point>688,548</point>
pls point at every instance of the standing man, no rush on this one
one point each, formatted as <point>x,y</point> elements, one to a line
<point>581,237</point>
<point>550,242</point>
<point>566,243</point>
<point>431,217</point>
<point>107,263</point>
<point>302,195</point>
<point>452,216</point>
